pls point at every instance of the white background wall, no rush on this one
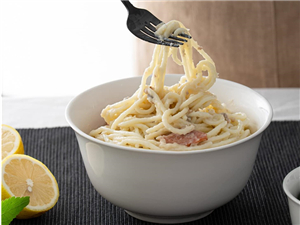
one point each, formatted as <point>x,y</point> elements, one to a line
<point>54,48</point>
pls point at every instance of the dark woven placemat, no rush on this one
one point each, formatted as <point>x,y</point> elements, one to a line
<point>261,202</point>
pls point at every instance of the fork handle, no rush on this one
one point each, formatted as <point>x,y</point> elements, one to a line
<point>129,6</point>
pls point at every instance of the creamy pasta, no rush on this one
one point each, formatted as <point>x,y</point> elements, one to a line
<point>181,117</point>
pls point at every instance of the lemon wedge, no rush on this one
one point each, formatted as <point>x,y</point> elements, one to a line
<point>22,176</point>
<point>11,142</point>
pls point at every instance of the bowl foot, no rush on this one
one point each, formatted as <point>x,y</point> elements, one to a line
<point>168,219</point>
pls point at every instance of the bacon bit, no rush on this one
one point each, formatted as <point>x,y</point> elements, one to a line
<point>194,137</point>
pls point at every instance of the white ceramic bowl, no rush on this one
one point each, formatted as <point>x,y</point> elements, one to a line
<point>291,187</point>
<point>161,186</point>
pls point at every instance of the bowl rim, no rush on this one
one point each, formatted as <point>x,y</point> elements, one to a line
<point>285,188</point>
<point>90,138</point>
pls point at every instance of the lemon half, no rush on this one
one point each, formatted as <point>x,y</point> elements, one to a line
<point>22,176</point>
<point>11,142</point>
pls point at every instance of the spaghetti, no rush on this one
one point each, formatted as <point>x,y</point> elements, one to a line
<point>182,117</point>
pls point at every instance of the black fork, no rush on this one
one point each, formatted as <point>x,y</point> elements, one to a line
<point>143,25</point>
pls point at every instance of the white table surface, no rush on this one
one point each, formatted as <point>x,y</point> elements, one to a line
<point>50,111</point>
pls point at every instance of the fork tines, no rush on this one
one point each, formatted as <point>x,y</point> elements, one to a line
<point>148,34</point>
